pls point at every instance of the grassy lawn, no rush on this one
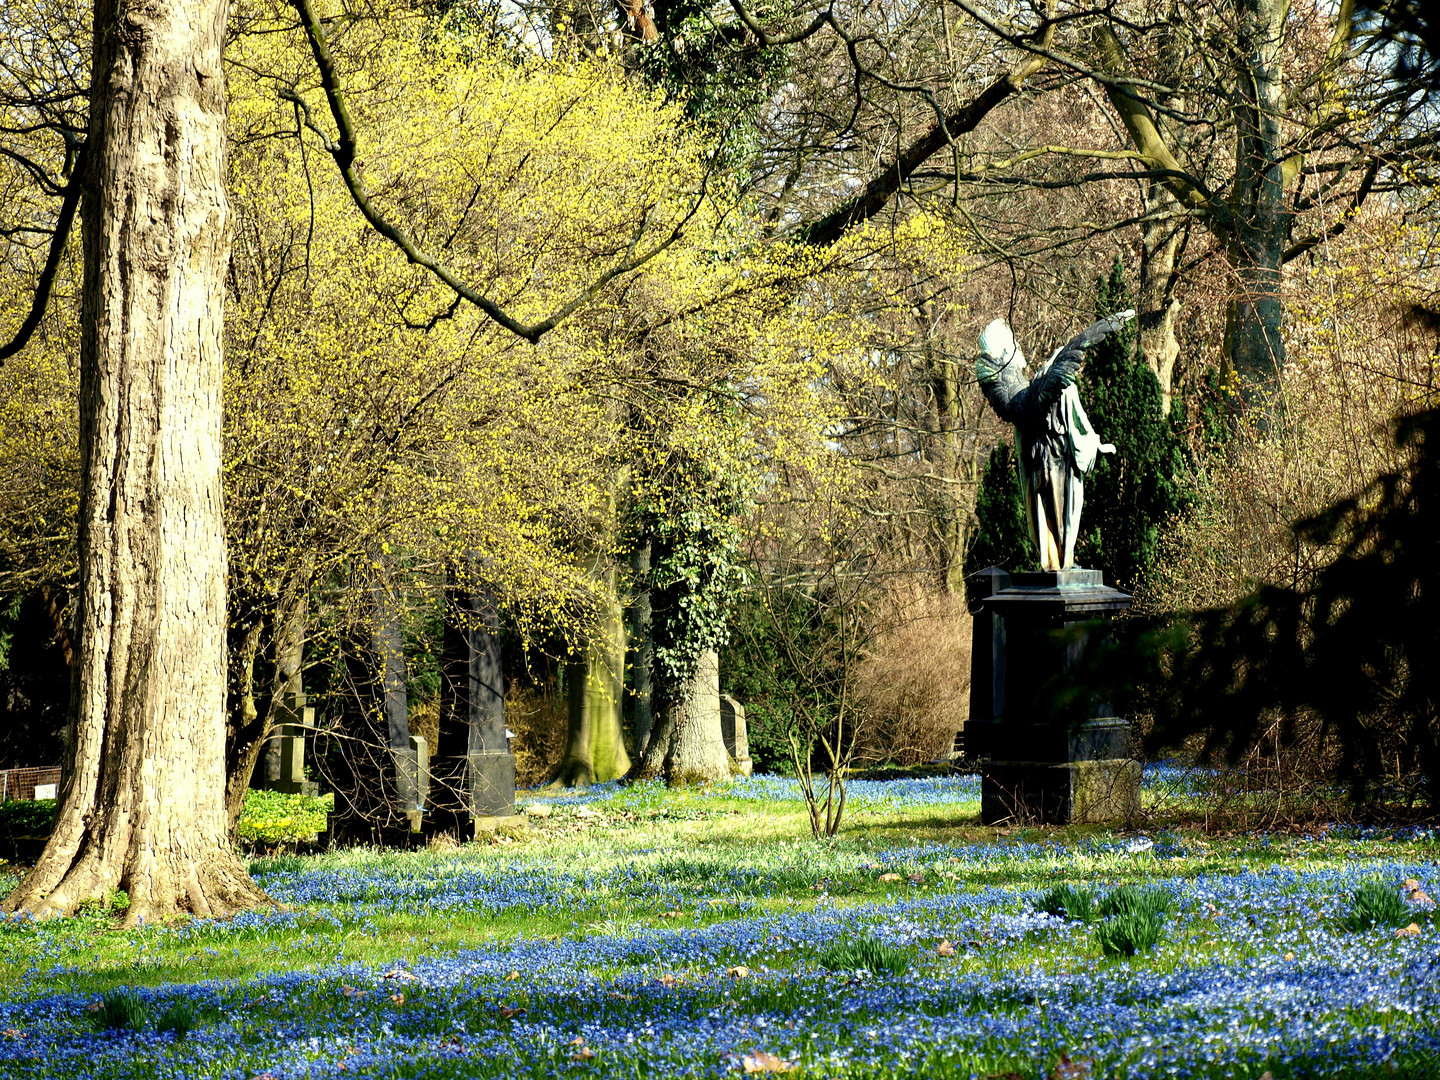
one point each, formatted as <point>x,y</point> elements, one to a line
<point>638,932</point>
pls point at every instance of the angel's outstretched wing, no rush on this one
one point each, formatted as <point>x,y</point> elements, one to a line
<point>1064,366</point>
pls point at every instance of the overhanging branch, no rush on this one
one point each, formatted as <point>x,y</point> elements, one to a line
<point>342,150</point>
<point>46,285</point>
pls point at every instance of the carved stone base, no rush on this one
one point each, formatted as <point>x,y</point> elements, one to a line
<point>1074,793</point>
<point>492,785</point>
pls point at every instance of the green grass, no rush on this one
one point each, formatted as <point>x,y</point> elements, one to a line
<point>683,861</point>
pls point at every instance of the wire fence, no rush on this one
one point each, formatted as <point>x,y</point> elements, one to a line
<point>29,784</point>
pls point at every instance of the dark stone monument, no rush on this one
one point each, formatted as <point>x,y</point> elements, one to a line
<point>735,734</point>
<point>1055,753</point>
<point>410,779</point>
<point>475,771</point>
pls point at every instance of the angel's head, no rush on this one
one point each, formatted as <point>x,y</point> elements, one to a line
<point>998,345</point>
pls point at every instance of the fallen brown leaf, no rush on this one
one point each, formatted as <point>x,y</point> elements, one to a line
<point>509,1012</point>
<point>398,999</point>
<point>739,971</point>
<point>762,1062</point>
<point>916,879</point>
<point>1413,930</point>
<point>583,1054</point>
<point>945,948</point>
<point>890,877</point>
<point>1067,1069</point>
<point>512,976</point>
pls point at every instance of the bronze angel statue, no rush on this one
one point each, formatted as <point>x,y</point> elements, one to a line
<point>1056,444</point>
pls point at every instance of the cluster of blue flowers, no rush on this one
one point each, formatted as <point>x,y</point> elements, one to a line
<point>1253,974</point>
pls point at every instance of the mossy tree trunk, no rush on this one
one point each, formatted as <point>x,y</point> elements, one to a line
<point>595,736</point>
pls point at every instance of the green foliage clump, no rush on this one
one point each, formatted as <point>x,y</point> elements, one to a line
<point>757,670</point>
<point>1074,902</point>
<point>1132,493</point>
<point>184,1015</point>
<point>864,954</point>
<point>119,1009</point>
<point>1132,919</point>
<point>1134,900</point>
<point>1002,537</point>
<point>1374,904</point>
<point>27,818</point>
<point>275,817</point>
<point>1126,935</point>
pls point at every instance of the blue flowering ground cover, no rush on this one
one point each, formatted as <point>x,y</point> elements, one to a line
<point>645,933</point>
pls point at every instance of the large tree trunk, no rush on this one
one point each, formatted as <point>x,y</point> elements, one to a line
<point>595,736</point>
<point>1254,349</point>
<point>142,807</point>
<point>1160,244</point>
<point>687,745</point>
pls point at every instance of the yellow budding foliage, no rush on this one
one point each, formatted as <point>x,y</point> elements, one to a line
<point>370,417</point>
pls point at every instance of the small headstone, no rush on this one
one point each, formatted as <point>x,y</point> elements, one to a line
<point>732,728</point>
<point>292,754</point>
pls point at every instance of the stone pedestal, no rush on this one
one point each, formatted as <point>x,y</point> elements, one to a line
<point>292,755</point>
<point>492,784</point>
<point>733,730</point>
<point>1055,752</point>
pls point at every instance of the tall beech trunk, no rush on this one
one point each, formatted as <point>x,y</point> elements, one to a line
<point>143,800</point>
<point>595,735</point>
<point>687,745</point>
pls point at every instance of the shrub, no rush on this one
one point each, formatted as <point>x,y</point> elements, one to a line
<point>1134,900</point>
<point>1125,935</point>
<point>1068,902</point>
<point>1375,904</point>
<point>275,817</point>
<point>865,954</point>
<point>120,1008</point>
<point>183,1016</point>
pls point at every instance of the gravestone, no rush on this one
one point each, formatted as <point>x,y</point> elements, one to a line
<point>737,740</point>
<point>475,770</point>
<point>1055,753</point>
<point>292,735</point>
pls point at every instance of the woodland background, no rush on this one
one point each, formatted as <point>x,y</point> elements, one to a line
<point>769,426</point>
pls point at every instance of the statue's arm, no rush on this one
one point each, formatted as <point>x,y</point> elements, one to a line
<point>1003,386</point>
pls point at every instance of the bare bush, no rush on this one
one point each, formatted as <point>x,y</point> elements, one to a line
<point>914,681</point>
<point>538,720</point>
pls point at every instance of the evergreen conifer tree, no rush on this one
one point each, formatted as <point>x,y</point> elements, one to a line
<point>1002,537</point>
<point>1132,493</point>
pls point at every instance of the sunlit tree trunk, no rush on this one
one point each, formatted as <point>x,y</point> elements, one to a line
<point>642,646</point>
<point>143,800</point>
<point>687,745</point>
<point>595,737</point>
<point>1261,220</point>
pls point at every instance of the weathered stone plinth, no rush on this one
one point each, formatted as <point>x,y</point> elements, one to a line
<point>1055,753</point>
<point>492,784</point>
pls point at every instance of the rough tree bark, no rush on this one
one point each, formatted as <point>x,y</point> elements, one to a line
<point>687,745</point>
<point>142,807</point>
<point>642,649</point>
